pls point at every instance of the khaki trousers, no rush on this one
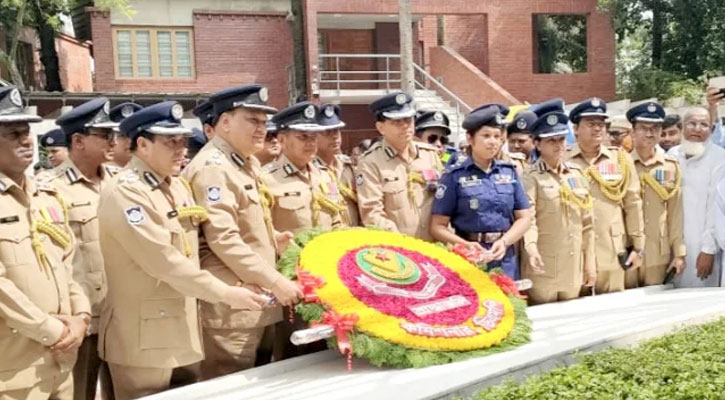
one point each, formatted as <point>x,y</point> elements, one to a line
<point>550,294</point>
<point>134,382</point>
<point>229,350</point>
<point>646,276</point>
<point>58,387</point>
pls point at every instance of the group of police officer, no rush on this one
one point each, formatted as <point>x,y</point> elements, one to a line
<point>103,259</point>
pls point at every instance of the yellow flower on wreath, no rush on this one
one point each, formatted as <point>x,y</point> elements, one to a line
<point>322,255</point>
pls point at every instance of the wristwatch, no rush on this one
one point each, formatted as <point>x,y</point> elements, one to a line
<point>86,317</point>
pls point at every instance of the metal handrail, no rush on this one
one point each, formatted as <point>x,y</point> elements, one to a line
<point>429,77</point>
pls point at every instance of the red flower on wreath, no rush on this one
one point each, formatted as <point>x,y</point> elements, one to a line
<point>507,285</point>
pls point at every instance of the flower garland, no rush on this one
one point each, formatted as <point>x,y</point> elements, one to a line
<point>477,317</point>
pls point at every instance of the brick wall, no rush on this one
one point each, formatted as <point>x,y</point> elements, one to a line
<point>497,37</point>
<point>75,64</point>
<point>230,48</point>
<point>359,125</point>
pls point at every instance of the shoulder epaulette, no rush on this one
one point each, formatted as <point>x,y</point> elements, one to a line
<point>270,168</point>
<point>374,147</point>
<point>111,169</point>
<point>344,158</point>
<point>426,146</point>
<point>129,177</point>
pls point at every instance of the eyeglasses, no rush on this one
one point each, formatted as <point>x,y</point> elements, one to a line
<point>616,134</point>
<point>697,125</point>
<point>105,135</point>
<point>433,138</point>
<point>174,143</point>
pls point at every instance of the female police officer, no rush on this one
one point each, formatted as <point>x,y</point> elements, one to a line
<point>482,197</point>
<point>560,243</point>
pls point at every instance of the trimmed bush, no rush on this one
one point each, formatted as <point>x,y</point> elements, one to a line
<point>689,364</point>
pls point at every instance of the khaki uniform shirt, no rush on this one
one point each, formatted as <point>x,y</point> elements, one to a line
<point>389,197</point>
<point>81,196</point>
<point>614,222</point>
<point>663,229</point>
<point>343,173</point>
<point>239,245</point>
<point>295,208</point>
<point>562,233</point>
<point>151,258</point>
<point>31,291</point>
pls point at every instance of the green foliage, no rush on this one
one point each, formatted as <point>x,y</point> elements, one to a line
<point>689,364</point>
<point>562,43</point>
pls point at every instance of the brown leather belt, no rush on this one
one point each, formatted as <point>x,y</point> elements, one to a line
<point>483,237</point>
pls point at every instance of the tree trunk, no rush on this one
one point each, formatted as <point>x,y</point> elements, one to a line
<point>48,54</point>
<point>300,66</point>
<point>405,24</point>
<point>657,32</point>
<point>9,59</point>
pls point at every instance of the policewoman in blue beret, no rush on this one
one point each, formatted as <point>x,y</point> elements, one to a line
<point>559,246</point>
<point>482,197</point>
<point>149,230</point>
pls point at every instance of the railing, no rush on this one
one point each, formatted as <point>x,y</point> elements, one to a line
<point>342,71</point>
<point>333,73</point>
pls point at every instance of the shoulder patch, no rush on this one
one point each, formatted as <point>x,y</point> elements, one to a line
<point>213,194</point>
<point>135,215</point>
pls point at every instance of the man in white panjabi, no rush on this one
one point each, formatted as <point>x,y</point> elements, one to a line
<point>703,167</point>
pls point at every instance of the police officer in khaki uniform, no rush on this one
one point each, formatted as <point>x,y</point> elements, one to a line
<point>560,243</point>
<point>44,313</point>
<point>304,195</point>
<point>205,112</point>
<point>149,239</point>
<point>520,140</point>
<point>90,135</point>
<point>54,141</point>
<point>240,246</point>
<point>616,191</point>
<point>397,178</point>
<point>122,149</point>
<point>336,164</point>
<point>662,199</point>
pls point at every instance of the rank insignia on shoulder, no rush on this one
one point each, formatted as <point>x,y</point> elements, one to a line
<point>213,194</point>
<point>131,177</point>
<point>135,215</point>
<point>288,169</point>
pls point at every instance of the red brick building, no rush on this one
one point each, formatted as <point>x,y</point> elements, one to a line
<point>480,51</point>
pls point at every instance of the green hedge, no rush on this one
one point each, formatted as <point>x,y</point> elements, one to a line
<point>689,364</point>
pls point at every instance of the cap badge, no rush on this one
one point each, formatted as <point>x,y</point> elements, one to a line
<point>15,97</point>
<point>263,94</point>
<point>177,111</point>
<point>401,99</point>
<point>107,107</point>
<point>596,103</point>
<point>50,140</point>
<point>438,116</point>
<point>521,124</point>
<point>329,111</point>
<point>552,120</point>
<point>126,111</point>
<point>651,108</point>
<point>499,119</point>
<point>310,112</point>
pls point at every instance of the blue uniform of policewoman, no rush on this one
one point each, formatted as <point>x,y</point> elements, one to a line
<point>481,204</point>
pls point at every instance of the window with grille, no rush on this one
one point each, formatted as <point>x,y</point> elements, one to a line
<point>153,53</point>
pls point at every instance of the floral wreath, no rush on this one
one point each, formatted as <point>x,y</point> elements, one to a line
<point>403,302</point>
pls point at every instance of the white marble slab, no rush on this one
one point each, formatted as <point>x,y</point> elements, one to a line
<point>560,330</point>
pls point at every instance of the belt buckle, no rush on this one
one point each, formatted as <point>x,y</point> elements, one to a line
<point>479,237</point>
<point>491,237</point>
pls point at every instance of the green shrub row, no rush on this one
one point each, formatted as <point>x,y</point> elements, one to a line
<point>686,365</point>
